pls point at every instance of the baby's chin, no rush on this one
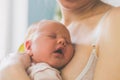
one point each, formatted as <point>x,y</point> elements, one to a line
<point>58,66</point>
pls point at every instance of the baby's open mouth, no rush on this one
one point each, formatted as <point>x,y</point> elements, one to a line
<point>60,51</point>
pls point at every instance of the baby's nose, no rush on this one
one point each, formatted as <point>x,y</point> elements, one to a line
<point>62,41</point>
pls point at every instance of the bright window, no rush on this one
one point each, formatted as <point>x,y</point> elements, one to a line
<point>13,23</point>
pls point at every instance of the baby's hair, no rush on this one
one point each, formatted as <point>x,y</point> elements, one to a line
<point>32,29</point>
<point>35,27</point>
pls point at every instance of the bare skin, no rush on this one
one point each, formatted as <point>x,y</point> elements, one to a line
<point>14,67</point>
<point>86,19</point>
<point>108,44</point>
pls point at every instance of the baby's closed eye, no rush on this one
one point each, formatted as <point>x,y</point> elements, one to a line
<point>52,36</point>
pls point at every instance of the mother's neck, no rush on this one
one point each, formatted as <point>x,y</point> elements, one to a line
<point>70,16</point>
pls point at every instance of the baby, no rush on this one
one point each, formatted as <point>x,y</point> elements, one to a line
<point>49,45</point>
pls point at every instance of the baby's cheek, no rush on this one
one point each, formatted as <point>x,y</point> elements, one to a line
<point>71,51</point>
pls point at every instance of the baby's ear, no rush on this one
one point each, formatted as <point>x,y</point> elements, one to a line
<point>28,49</point>
<point>27,45</point>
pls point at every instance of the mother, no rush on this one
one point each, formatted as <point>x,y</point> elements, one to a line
<point>95,29</point>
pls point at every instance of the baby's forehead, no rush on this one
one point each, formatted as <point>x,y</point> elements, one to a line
<point>52,26</point>
<point>48,29</point>
<point>58,31</point>
<point>49,26</point>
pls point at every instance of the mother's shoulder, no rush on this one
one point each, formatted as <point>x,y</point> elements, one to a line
<point>114,15</point>
<point>115,11</point>
<point>111,26</point>
<point>109,39</point>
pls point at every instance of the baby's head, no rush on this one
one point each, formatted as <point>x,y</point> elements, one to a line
<point>49,41</point>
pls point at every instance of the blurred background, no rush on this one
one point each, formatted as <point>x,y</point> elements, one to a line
<point>17,15</point>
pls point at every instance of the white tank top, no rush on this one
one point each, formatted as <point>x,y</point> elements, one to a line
<point>88,71</point>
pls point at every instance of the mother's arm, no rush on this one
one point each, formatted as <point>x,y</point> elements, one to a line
<point>108,66</point>
<point>13,68</point>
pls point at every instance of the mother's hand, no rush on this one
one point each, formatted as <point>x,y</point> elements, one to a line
<point>14,67</point>
<point>16,59</point>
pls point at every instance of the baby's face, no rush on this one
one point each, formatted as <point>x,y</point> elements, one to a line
<point>52,44</point>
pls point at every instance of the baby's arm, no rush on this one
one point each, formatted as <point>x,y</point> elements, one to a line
<point>13,67</point>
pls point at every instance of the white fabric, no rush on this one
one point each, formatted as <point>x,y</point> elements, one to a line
<point>112,2</point>
<point>42,71</point>
<point>88,71</point>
